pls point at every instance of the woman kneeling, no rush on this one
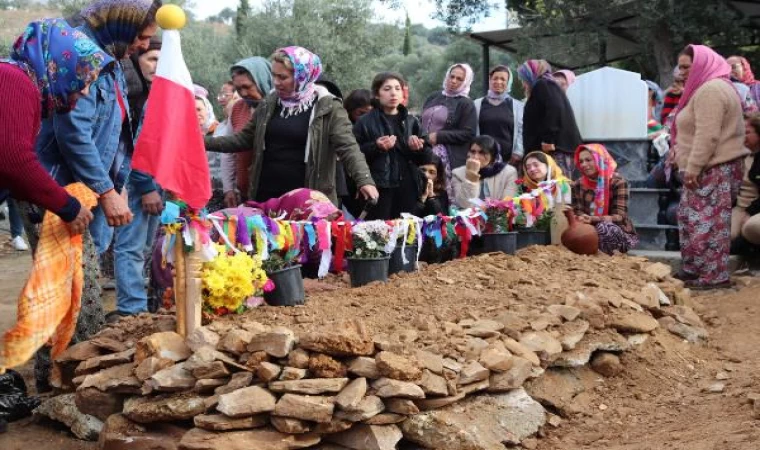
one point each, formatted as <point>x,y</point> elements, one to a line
<point>600,198</point>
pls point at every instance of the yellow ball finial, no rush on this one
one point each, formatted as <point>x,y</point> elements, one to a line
<point>171,17</point>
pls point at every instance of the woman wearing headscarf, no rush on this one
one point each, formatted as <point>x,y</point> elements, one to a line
<point>93,144</point>
<point>600,198</point>
<point>484,175</point>
<point>549,122</point>
<point>501,116</point>
<point>745,217</point>
<point>709,152</point>
<point>296,134</point>
<point>227,98</point>
<point>450,120</point>
<point>204,111</point>
<point>742,71</point>
<point>671,98</point>
<point>565,78</point>
<point>538,167</point>
<point>252,79</point>
<point>51,65</point>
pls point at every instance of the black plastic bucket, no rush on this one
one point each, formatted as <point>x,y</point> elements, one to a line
<point>288,287</point>
<point>396,263</point>
<point>530,237</point>
<point>500,242</point>
<point>365,271</point>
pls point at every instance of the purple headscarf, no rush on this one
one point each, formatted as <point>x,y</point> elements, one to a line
<point>307,67</point>
<point>464,89</point>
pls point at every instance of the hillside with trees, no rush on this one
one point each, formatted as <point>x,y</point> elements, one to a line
<point>353,47</point>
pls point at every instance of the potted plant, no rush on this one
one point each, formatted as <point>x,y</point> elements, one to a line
<point>538,234</point>
<point>396,263</point>
<point>232,283</point>
<point>368,261</point>
<point>498,235</point>
<point>285,273</point>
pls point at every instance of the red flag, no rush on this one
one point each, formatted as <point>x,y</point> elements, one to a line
<point>170,146</point>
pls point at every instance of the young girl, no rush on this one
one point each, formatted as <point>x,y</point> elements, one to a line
<point>389,138</point>
<point>484,175</point>
<point>433,198</point>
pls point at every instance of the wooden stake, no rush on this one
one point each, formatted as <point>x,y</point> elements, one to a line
<point>180,285</point>
<point>193,292</point>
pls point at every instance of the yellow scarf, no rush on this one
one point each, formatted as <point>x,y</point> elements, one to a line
<point>553,172</point>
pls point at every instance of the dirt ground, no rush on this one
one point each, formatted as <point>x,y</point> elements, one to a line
<point>657,403</point>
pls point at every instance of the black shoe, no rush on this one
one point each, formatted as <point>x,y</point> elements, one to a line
<point>685,276</point>
<point>115,316</point>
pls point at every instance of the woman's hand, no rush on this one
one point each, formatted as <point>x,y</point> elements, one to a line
<point>81,221</point>
<point>115,208</point>
<point>415,143</point>
<point>690,180</point>
<point>584,218</point>
<point>472,172</point>
<point>547,147</point>
<point>429,192</point>
<point>231,199</point>
<point>369,192</point>
<point>152,203</point>
<point>433,138</point>
<point>385,143</point>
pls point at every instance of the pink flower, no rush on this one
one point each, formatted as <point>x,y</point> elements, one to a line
<point>269,286</point>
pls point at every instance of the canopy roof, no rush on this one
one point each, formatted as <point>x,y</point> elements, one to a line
<point>578,47</point>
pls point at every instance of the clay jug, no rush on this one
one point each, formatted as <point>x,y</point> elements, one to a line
<point>580,238</point>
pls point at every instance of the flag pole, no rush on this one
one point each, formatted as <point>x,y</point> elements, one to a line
<point>180,286</point>
<point>193,291</point>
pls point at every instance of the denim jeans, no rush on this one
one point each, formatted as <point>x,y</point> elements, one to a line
<point>133,243</point>
<point>14,217</point>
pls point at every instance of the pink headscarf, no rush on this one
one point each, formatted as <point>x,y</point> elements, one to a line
<point>748,77</point>
<point>706,65</point>
<point>568,74</point>
<point>464,89</point>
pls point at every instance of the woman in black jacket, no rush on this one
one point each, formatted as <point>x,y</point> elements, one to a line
<point>390,139</point>
<point>548,122</point>
<point>450,119</point>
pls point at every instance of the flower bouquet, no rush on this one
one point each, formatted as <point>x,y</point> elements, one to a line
<point>498,235</point>
<point>233,283</point>
<point>368,261</point>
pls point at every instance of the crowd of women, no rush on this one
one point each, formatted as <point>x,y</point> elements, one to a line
<point>74,93</point>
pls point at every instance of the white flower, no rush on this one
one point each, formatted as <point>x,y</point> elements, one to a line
<point>358,252</point>
<point>371,245</point>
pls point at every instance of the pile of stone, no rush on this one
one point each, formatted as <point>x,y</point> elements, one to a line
<point>246,385</point>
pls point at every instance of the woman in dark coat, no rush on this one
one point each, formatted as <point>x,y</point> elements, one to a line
<point>450,119</point>
<point>549,122</point>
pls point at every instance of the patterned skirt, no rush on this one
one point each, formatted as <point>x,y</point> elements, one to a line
<point>613,238</point>
<point>704,223</point>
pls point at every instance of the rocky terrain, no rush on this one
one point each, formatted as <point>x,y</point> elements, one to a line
<point>482,353</point>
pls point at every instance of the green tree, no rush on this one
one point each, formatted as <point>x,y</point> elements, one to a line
<point>661,29</point>
<point>243,13</point>
<point>68,7</point>
<point>407,36</point>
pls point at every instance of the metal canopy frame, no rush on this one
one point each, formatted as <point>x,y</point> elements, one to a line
<point>619,41</point>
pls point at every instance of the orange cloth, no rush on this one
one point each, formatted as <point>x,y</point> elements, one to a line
<point>49,305</point>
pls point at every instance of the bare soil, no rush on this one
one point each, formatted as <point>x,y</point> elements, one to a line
<point>658,402</point>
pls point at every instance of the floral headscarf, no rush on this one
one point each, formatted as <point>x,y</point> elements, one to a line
<point>116,23</point>
<point>307,67</point>
<point>553,171</point>
<point>59,59</point>
<point>605,166</point>
<point>464,89</point>
<point>533,70</point>
<point>748,77</point>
